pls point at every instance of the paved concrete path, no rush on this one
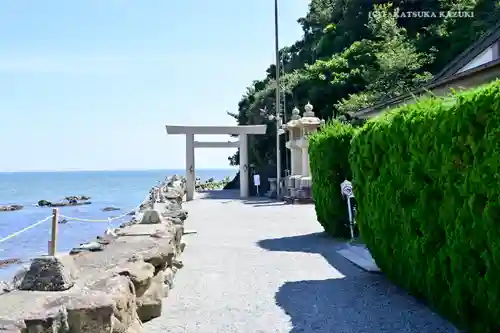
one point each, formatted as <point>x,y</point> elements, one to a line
<point>259,266</point>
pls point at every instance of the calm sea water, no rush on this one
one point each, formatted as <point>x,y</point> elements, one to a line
<point>122,189</point>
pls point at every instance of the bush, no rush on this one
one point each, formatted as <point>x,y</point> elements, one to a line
<point>328,157</point>
<point>427,185</point>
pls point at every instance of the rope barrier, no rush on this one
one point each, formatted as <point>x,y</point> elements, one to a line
<point>109,219</point>
<point>25,229</point>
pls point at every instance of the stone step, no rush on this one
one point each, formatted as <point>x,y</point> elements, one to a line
<point>360,256</point>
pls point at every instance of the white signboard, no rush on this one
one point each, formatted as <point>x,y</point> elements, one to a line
<point>346,188</point>
<point>256,180</point>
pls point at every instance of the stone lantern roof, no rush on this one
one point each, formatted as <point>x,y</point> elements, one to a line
<point>308,119</point>
<point>295,120</point>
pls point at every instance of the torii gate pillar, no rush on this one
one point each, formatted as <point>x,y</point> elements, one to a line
<point>241,131</point>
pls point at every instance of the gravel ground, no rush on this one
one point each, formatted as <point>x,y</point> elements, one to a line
<point>261,266</point>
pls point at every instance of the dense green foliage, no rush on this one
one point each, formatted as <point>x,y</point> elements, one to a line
<point>329,160</point>
<point>346,61</point>
<point>427,184</point>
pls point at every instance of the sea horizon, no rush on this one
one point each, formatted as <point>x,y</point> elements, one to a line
<point>117,170</point>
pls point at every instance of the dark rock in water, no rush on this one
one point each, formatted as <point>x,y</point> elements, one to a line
<point>63,221</point>
<point>109,209</point>
<point>131,213</point>
<point>49,274</point>
<point>77,198</point>
<point>7,262</point>
<point>44,203</point>
<point>10,208</point>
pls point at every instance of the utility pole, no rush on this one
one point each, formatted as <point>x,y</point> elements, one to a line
<point>278,102</point>
<point>285,119</point>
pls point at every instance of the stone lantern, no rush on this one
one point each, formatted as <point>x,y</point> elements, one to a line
<point>295,133</point>
<point>299,183</point>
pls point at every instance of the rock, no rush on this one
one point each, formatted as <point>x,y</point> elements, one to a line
<point>5,287</point>
<point>18,277</point>
<point>11,208</point>
<point>151,216</point>
<point>88,247</point>
<point>11,326</point>
<point>77,198</point>
<point>149,305</point>
<point>172,205</point>
<point>63,221</point>
<point>169,275</point>
<point>128,224</point>
<point>178,263</point>
<point>109,209</point>
<point>135,258</point>
<point>132,213</point>
<point>50,274</point>
<point>180,214</point>
<point>182,246</point>
<point>140,273</point>
<point>113,309</point>
<point>178,233</point>
<point>7,262</point>
<point>161,257</point>
<point>44,203</point>
<point>175,220</point>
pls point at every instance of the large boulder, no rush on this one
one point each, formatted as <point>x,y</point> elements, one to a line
<point>160,257</point>
<point>149,305</point>
<point>50,274</point>
<point>151,216</point>
<point>140,273</point>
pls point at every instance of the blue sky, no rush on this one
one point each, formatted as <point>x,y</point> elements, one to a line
<point>90,84</point>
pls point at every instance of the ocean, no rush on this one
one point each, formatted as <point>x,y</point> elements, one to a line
<point>121,189</point>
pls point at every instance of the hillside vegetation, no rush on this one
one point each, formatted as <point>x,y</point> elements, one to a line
<point>348,59</point>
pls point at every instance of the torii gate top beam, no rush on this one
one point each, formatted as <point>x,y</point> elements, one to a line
<point>208,130</point>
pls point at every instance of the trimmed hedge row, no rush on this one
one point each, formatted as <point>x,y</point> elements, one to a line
<point>427,184</point>
<point>328,157</point>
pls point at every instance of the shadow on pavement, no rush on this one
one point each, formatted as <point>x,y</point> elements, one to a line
<point>235,195</point>
<point>356,301</point>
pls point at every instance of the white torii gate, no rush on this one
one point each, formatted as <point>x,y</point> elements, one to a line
<point>241,131</point>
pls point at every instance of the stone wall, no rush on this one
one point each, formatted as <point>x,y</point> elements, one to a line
<point>110,288</point>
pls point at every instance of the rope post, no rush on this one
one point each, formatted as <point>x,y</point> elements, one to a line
<point>53,238</point>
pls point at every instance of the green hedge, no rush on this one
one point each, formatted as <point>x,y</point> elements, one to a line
<point>427,183</point>
<point>328,158</point>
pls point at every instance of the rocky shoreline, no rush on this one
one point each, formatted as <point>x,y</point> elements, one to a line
<point>113,289</point>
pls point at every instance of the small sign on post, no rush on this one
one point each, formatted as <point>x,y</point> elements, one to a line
<point>346,190</point>
<point>256,182</point>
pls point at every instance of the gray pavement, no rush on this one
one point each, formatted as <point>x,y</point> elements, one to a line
<point>261,266</point>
